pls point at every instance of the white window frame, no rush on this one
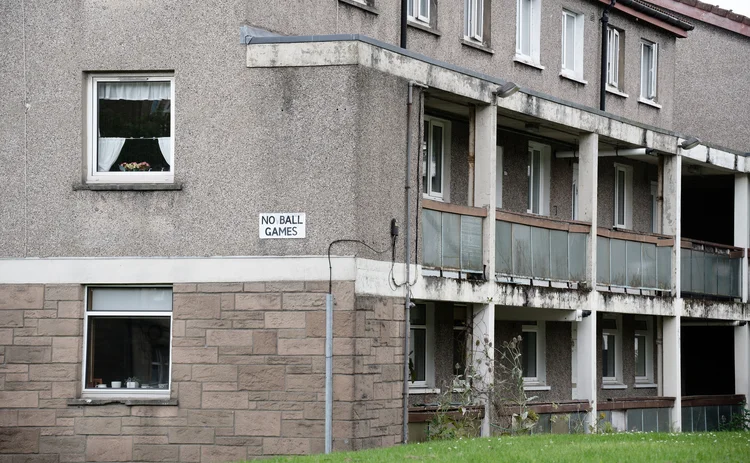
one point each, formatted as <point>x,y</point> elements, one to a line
<point>416,13</point>
<point>499,180</point>
<point>545,164</point>
<point>613,59</point>
<point>654,208</point>
<point>628,196</point>
<point>574,193</point>
<point>474,20</point>
<point>427,164</point>
<point>429,348</point>
<point>648,334</point>
<point>92,175</point>
<point>617,333</point>
<point>540,380</point>
<point>124,392</point>
<point>649,86</point>
<point>534,30</point>
<point>572,67</point>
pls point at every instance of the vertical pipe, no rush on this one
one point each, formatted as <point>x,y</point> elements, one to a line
<point>404,7</point>
<point>603,76</point>
<point>329,373</point>
<point>407,262</point>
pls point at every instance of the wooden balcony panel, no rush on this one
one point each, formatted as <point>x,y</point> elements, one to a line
<point>453,208</point>
<point>532,220</point>
<point>630,235</point>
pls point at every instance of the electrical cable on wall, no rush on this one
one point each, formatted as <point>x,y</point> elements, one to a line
<point>330,266</point>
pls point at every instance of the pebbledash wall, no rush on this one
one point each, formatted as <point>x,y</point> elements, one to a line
<point>247,376</point>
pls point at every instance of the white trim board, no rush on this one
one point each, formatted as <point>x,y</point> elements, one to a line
<point>150,270</point>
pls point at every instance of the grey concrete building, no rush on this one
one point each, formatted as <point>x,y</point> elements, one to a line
<point>237,229</point>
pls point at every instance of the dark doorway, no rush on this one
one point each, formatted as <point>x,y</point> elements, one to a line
<point>707,360</point>
<point>708,208</point>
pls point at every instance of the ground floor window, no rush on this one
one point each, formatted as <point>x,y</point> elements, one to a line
<point>128,340</point>
<point>422,346</point>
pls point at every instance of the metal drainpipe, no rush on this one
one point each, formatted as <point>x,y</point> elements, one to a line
<point>404,7</point>
<point>603,77</point>
<point>407,259</point>
<point>329,374</point>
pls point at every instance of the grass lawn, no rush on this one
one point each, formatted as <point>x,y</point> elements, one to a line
<point>623,447</point>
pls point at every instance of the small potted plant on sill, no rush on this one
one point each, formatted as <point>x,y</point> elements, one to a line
<point>132,382</point>
<point>135,166</point>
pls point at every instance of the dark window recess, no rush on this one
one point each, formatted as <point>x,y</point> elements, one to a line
<point>141,122</point>
<point>120,348</point>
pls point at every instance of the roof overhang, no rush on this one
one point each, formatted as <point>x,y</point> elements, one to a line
<point>653,16</point>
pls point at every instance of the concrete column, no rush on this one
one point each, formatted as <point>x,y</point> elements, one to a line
<point>742,360</point>
<point>742,224</point>
<point>483,355</point>
<point>485,160</point>
<point>485,172</point>
<point>672,384</point>
<point>671,225</point>
<point>587,375</point>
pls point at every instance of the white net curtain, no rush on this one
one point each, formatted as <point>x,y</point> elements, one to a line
<point>109,148</point>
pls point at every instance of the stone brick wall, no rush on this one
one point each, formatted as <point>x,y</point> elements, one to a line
<point>248,372</point>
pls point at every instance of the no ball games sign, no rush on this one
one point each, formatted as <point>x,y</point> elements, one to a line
<point>281,225</point>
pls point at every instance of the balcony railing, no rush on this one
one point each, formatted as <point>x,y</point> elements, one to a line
<point>452,237</point>
<point>539,248</point>
<point>710,269</point>
<point>633,262</point>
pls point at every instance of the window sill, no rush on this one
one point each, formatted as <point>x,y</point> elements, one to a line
<point>361,5</point>
<point>616,92</point>
<point>651,103</point>
<point>528,62</point>
<point>477,46</point>
<point>424,27</point>
<point>127,186</point>
<point>645,386</point>
<point>537,387</point>
<point>419,390</point>
<point>614,386</point>
<point>125,401</point>
<point>567,75</point>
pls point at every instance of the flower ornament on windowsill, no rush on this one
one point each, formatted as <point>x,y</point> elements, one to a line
<point>135,166</point>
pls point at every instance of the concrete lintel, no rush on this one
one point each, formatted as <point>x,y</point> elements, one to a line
<point>539,297</point>
<point>526,314</point>
<point>715,310</point>
<point>634,304</point>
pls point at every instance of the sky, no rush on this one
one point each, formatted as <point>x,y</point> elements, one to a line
<point>738,6</point>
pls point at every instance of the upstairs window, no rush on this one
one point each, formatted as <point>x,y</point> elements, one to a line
<point>615,47</point>
<point>623,196</point>
<point>528,19</point>
<point>131,129</point>
<point>474,20</point>
<point>648,70</point>
<point>419,10</point>
<point>435,158</point>
<point>572,45</point>
<point>539,178</point>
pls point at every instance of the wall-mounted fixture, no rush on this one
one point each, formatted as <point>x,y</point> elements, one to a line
<point>507,89</point>
<point>690,143</point>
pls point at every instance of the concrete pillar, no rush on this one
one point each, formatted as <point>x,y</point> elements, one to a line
<point>672,384</point>
<point>587,375</point>
<point>483,355</point>
<point>742,224</point>
<point>742,360</point>
<point>485,173</point>
<point>671,225</point>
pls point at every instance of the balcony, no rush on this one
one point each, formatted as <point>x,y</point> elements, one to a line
<point>711,270</point>
<point>634,263</point>
<point>452,239</point>
<point>533,249</point>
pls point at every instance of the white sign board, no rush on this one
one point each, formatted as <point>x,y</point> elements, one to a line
<point>281,225</point>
